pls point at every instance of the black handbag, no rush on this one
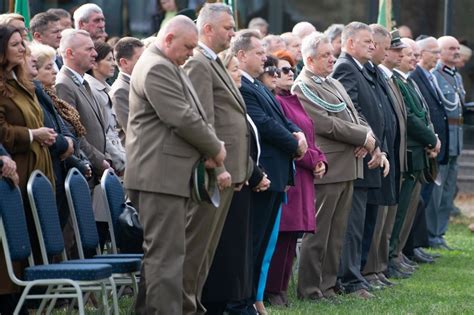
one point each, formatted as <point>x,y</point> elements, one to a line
<point>130,234</point>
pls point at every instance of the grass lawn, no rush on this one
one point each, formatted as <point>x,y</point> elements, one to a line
<point>445,287</point>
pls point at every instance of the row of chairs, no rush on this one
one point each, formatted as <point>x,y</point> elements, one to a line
<point>69,279</point>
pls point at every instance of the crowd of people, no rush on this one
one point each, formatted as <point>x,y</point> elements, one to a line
<point>341,145</point>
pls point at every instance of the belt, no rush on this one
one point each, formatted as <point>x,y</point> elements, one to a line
<point>456,121</point>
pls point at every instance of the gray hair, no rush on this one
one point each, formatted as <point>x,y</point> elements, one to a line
<point>303,29</point>
<point>209,13</point>
<point>334,31</point>
<point>256,22</point>
<point>67,39</point>
<point>309,47</point>
<point>379,30</point>
<point>425,42</point>
<point>352,29</point>
<point>42,53</point>
<point>59,12</point>
<point>83,13</point>
<point>243,40</point>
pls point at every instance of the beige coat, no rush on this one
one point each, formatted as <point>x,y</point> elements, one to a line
<point>336,133</point>
<point>119,96</point>
<point>167,130</point>
<point>225,110</point>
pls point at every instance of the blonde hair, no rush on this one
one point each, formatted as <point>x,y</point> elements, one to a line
<point>7,18</point>
<point>42,53</point>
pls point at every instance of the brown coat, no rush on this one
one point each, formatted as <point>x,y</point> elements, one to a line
<point>337,133</point>
<point>167,129</point>
<point>28,155</point>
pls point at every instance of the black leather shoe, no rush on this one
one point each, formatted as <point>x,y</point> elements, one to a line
<point>395,273</point>
<point>425,253</point>
<point>384,280</point>
<point>409,262</point>
<point>421,259</point>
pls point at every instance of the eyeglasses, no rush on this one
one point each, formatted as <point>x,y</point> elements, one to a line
<point>272,71</point>
<point>434,52</point>
<point>287,70</point>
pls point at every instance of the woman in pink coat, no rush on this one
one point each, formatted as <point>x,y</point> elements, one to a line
<point>299,213</point>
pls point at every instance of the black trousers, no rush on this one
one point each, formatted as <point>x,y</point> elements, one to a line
<point>419,233</point>
<point>369,229</point>
<point>349,267</point>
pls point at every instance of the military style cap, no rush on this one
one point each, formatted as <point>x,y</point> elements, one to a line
<point>396,43</point>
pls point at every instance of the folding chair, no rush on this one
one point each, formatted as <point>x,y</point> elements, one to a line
<point>85,230</point>
<point>114,199</point>
<point>62,281</point>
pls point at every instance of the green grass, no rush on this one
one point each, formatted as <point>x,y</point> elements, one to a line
<point>445,287</point>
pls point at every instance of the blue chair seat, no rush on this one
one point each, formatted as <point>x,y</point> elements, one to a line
<point>118,265</point>
<point>78,272</point>
<point>136,256</point>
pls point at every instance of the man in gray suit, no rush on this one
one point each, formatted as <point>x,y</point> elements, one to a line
<point>345,139</point>
<point>126,52</point>
<point>77,50</point>
<point>168,132</point>
<point>226,111</point>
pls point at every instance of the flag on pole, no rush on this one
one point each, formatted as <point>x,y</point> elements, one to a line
<point>22,7</point>
<point>385,14</point>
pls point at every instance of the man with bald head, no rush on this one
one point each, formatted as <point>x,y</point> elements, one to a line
<point>168,132</point>
<point>303,29</point>
<point>452,94</point>
<point>430,52</point>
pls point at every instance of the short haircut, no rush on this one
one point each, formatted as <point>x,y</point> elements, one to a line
<point>6,18</point>
<point>269,39</point>
<point>39,22</point>
<point>309,47</point>
<point>42,53</point>
<point>334,31</point>
<point>302,29</point>
<point>209,13</point>
<point>271,61</point>
<point>59,12</point>
<point>67,39</point>
<point>83,13</point>
<point>352,29</point>
<point>379,30</point>
<point>256,22</point>
<point>424,42</point>
<point>102,49</point>
<point>125,47</point>
<point>243,40</point>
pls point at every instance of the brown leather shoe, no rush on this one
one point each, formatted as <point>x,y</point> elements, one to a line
<point>362,294</point>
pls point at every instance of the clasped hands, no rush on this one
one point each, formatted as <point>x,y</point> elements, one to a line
<point>433,153</point>
<point>9,169</point>
<point>44,136</point>
<point>379,159</point>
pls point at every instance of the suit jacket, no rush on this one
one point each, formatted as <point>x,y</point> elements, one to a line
<point>401,112</point>
<point>277,142</point>
<point>168,130</point>
<point>387,195</point>
<point>225,110</point>
<point>119,94</point>
<point>419,132</point>
<point>361,88</point>
<point>337,133</point>
<point>72,91</point>
<point>438,113</point>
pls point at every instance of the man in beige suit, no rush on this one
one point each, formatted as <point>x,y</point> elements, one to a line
<point>77,50</point>
<point>168,132</point>
<point>345,139</point>
<point>126,53</point>
<point>225,110</point>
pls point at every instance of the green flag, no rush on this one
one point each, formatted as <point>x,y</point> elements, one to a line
<point>385,14</point>
<point>22,7</point>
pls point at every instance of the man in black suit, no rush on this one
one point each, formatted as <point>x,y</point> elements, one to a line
<point>379,200</point>
<point>281,141</point>
<point>357,49</point>
<point>427,217</point>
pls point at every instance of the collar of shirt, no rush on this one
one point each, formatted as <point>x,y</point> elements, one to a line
<point>358,63</point>
<point>96,84</point>
<point>79,77</point>
<point>126,74</point>
<point>387,71</point>
<point>208,50</point>
<point>403,74</point>
<point>248,76</point>
<point>426,73</point>
<point>316,75</point>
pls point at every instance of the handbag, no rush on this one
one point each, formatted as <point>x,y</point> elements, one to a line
<point>430,173</point>
<point>130,234</point>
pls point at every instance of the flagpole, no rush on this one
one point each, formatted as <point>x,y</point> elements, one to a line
<point>11,6</point>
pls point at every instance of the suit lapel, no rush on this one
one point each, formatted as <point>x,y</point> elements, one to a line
<point>270,98</point>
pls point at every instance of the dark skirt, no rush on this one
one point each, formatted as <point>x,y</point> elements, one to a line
<point>231,274</point>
